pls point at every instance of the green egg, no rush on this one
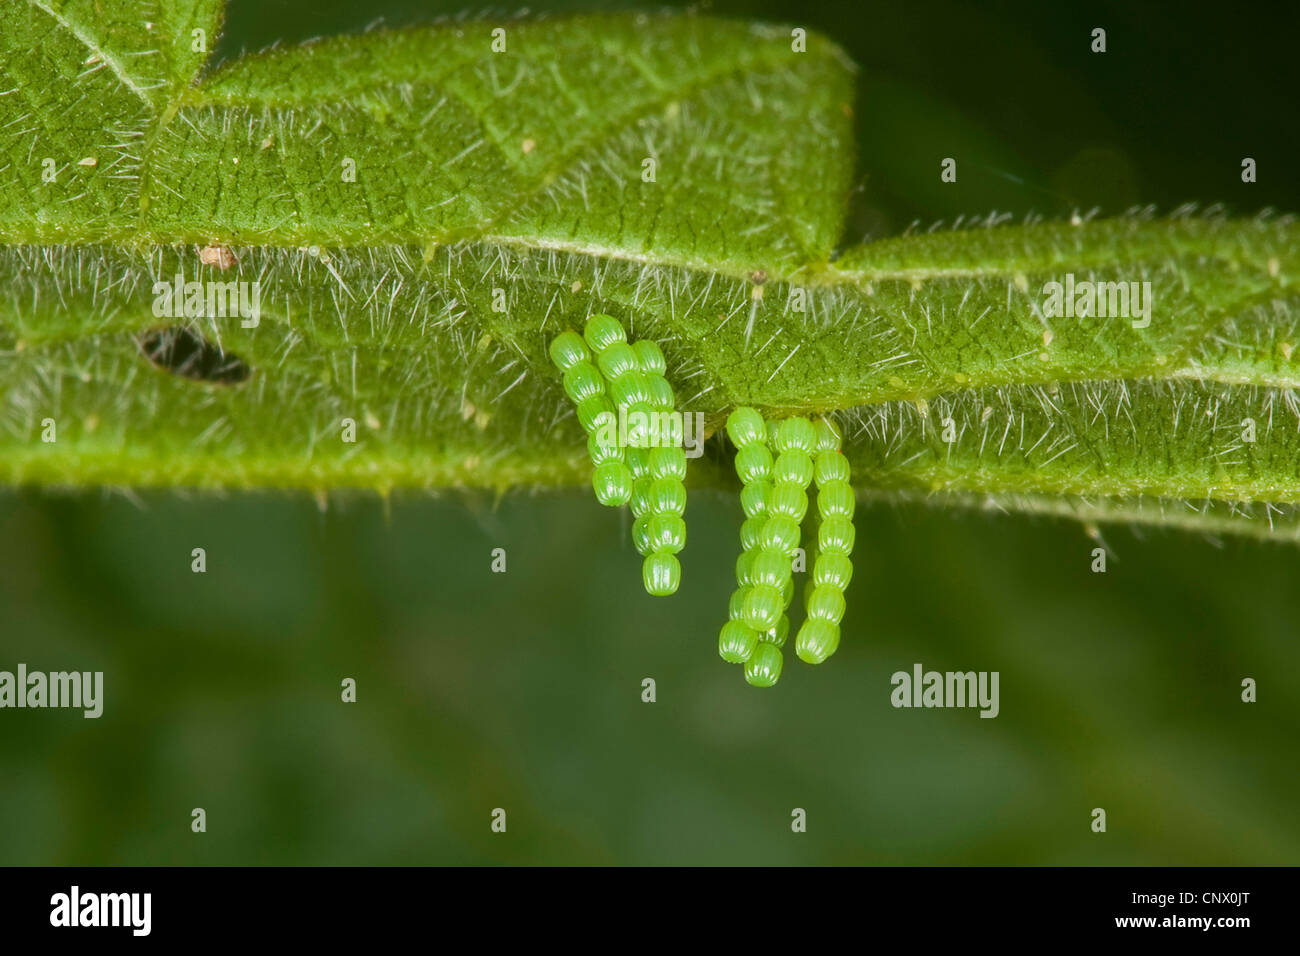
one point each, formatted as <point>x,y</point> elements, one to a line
<point>836,499</point>
<point>756,498</point>
<point>667,496</point>
<point>833,569</point>
<point>763,669</point>
<point>736,606</point>
<point>602,331</point>
<point>789,501</point>
<point>641,534</point>
<point>645,389</point>
<point>583,381</point>
<point>661,574</point>
<point>835,536</point>
<point>668,463</point>
<point>793,466</point>
<point>640,492</point>
<point>830,466</point>
<point>828,435</point>
<point>780,533</point>
<point>630,388</point>
<point>650,357</point>
<point>745,427</point>
<point>771,567</point>
<point>640,425</point>
<point>601,451</point>
<point>816,641</point>
<point>667,533</point>
<point>612,483</point>
<point>826,603</point>
<point>656,425</point>
<point>595,412</point>
<point>567,350</point>
<point>736,642</point>
<point>638,459</point>
<point>754,463</point>
<point>661,393</point>
<point>778,634</point>
<point>745,568</point>
<point>672,429</point>
<point>617,360</point>
<point>796,433</point>
<point>763,607</point>
<point>751,532</point>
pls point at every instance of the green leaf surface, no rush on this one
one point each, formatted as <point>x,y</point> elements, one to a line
<point>501,197</point>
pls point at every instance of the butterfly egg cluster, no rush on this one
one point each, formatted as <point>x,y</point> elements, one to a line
<point>646,466</point>
<point>775,500</point>
<point>832,568</point>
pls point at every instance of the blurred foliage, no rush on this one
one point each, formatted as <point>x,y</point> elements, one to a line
<point>522,690</point>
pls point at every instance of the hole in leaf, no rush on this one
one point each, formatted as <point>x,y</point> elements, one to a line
<point>184,352</point>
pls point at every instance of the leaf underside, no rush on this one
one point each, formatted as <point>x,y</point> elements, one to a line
<point>501,197</point>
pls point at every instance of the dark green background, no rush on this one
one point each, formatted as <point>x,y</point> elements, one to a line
<point>522,690</point>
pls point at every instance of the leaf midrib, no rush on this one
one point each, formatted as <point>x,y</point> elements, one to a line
<point>83,37</point>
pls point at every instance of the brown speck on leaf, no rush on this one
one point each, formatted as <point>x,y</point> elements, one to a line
<point>758,276</point>
<point>529,145</point>
<point>218,256</point>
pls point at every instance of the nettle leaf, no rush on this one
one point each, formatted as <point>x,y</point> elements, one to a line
<point>422,210</point>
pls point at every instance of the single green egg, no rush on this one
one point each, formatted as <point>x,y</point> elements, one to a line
<point>661,573</point>
<point>763,669</point>
<point>567,350</point>
<point>602,331</point>
<point>745,427</point>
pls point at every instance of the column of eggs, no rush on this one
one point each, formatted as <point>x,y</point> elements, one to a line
<point>738,642</point>
<point>611,479</point>
<point>647,472</point>
<point>819,636</point>
<point>658,471</point>
<point>775,500</point>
